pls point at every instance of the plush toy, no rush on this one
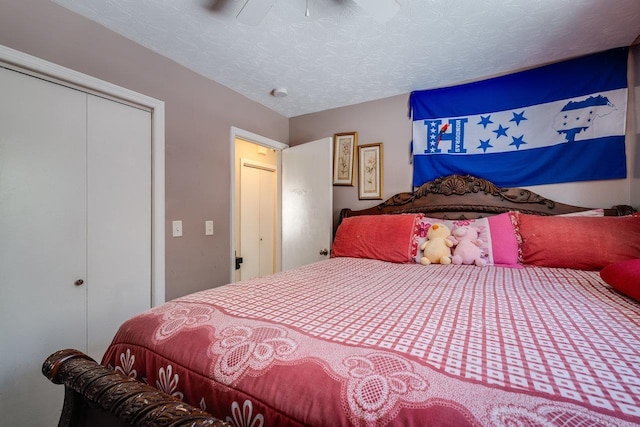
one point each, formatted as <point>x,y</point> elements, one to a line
<point>437,248</point>
<point>467,246</point>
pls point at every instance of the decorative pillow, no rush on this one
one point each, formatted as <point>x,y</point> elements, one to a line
<point>382,237</point>
<point>500,246</point>
<point>624,276</point>
<point>585,243</point>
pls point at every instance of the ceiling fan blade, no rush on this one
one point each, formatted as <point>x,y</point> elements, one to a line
<point>380,10</point>
<point>254,11</point>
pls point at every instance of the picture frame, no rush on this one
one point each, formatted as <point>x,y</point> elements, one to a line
<point>344,148</point>
<point>370,171</point>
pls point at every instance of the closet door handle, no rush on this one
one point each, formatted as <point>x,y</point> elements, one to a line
<point>79,282</point>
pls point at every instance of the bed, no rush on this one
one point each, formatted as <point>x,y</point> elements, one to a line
<point>547,333</point>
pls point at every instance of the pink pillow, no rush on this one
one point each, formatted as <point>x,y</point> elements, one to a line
<point>585,243</point>
<point>504,244</point>
<point>624,276</point>
<point>383,237</point>
<point>500,246</point>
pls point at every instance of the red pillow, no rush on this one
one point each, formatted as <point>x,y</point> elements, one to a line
<point>586,243</point>
<point>383,237</point>
<point>624,276</point>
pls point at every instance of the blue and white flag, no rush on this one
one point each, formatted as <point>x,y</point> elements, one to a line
<point>562,122</point>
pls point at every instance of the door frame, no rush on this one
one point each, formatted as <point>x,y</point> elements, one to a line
<point>237,133</point>
<point>32,65</point>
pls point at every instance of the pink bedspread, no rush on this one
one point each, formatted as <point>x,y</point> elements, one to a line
<point>362,342</point>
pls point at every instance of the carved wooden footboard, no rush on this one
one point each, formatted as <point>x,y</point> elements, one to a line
<point>97,396</point>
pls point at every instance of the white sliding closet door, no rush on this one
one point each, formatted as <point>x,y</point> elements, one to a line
<point>119,217</point>
<point>75,232</point>
<point>257,219</point>
<point>267,220</point>
<point>43,250</point>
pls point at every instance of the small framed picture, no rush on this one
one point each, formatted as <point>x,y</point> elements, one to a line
<point>370,171</point>
<point>344,146</point>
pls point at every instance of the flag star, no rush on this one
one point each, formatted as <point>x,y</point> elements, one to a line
<point>484,121</point>
<point>501,131</point>
<point>433,132</point>
<point>517,142</point>
<point>485,145</point>
<point>518,117</point>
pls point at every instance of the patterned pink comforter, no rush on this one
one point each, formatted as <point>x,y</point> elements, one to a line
<point>362,342</point>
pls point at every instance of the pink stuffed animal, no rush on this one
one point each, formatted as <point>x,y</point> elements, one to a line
<point>467,246</point>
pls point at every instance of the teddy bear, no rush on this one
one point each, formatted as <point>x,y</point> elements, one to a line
<point>467,246</point>
<point>437,248</point>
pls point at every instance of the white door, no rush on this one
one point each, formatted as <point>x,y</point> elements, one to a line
<point>119,218</point>
<point>307,203</point>
<point>267,218</point>
<point>257,219</point>
<point>42,241</point>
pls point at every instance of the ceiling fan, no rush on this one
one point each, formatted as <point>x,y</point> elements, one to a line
<point>254,11</point>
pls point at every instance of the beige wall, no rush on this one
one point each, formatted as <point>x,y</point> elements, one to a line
<point>199,116</point>
<point>634,125</point>
<point>387,121</point>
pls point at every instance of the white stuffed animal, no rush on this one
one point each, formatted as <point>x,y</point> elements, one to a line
<point>437,248</point>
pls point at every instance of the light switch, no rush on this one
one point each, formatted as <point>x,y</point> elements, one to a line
<point>208,228</point>
<point>177,228</point>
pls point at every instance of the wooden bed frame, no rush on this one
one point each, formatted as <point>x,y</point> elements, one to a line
<point>96,396</point>
<point>469,197</point>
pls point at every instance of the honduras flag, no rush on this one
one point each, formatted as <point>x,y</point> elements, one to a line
<point>557,123</point>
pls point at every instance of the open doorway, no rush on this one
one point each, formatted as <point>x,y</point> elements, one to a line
<point>303,201</point>
<point>255,209</point>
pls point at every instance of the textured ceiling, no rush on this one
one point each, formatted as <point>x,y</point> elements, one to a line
<point>340,55</point>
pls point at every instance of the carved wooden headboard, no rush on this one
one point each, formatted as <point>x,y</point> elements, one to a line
<point>468,197</point>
